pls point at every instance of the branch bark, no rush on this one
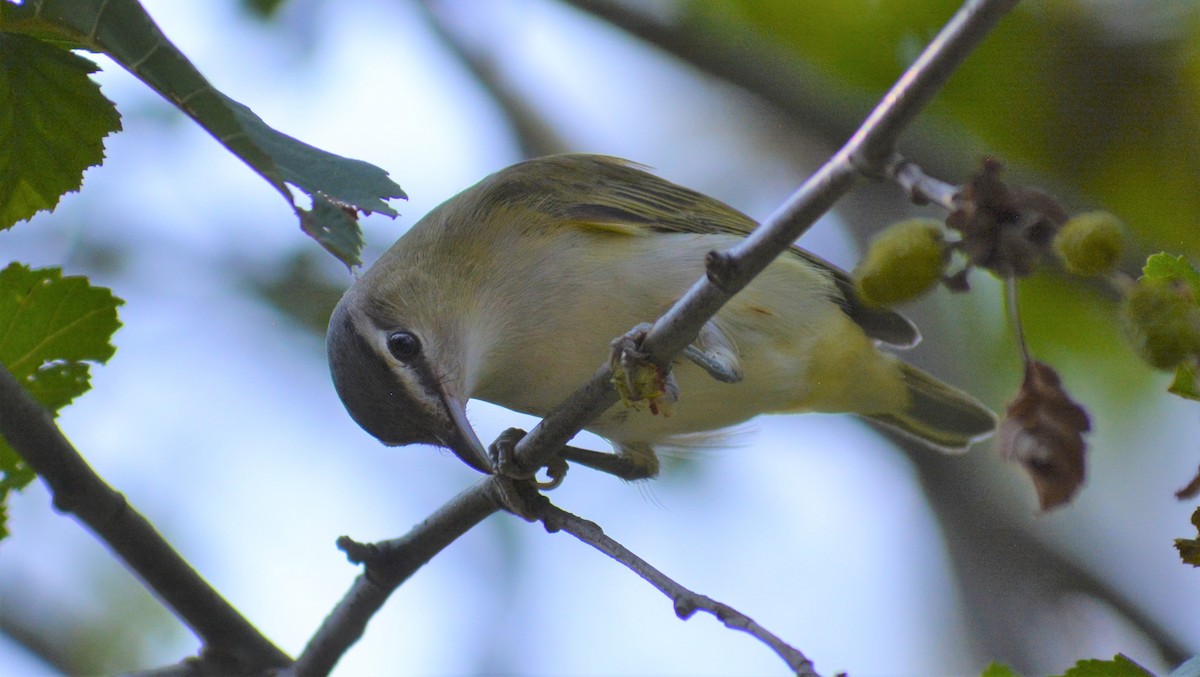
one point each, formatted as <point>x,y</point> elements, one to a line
<point>229,639</point>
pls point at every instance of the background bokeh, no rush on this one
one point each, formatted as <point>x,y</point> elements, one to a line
<point>217,420</point>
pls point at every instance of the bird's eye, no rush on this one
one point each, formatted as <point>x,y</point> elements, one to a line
<point>403,345</point>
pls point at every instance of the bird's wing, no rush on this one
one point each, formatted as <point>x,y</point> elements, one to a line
<point>624,198</point>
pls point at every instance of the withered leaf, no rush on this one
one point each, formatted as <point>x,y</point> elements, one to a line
<point>1006,229</point>
<point>1043,431</point>
<point>1192,489</point>
<point>1189,548</point>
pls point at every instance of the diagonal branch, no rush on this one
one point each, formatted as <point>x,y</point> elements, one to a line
<point>867,152</point>
<point>686,602</point>
<point>229,639</point>
<point>388,565</point>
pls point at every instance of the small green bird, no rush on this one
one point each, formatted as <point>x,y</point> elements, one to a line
<point>513,290</point>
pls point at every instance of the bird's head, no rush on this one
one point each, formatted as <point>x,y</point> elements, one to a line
<point>397,364</point>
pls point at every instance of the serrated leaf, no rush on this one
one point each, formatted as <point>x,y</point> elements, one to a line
<point>53,120</point>
<point>1163,266</point>
<point>1186,382</point>
<point>1119,666</point>
<point>998,670</point>
<point>123,30</point>
<point>330,224</point>
<point>50,328</point>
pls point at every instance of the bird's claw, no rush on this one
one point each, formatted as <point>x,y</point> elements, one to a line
<point>505,462</point>
<point>637,379</point>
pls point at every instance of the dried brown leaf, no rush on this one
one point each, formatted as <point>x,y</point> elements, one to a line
<point>1043,431</point>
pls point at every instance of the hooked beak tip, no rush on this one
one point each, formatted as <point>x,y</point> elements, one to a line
<point>463,441</point>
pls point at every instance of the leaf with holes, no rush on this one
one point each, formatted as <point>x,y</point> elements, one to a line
<point>123,30</point>
<point>51,328</point>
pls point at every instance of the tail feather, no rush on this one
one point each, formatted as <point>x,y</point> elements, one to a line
<point>939,415</point>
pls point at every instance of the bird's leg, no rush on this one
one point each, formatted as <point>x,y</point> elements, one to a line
<point>506,464</point>
<point>632,462</point>
<point>636,378</point>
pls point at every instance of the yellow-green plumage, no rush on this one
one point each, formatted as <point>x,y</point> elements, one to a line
<point>519,283</point>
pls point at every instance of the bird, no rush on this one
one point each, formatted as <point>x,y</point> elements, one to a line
<point>513,291</point>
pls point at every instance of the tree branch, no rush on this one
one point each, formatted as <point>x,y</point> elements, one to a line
<point>686,602</point>
<point>867,152</point>
<point>228,637</point>
<point>388,565</point>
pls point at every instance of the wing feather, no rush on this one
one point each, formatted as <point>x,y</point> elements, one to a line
<point>623,198</point>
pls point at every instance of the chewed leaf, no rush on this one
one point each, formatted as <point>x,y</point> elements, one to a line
<point>51,327</point>
<point>123,30</point>
<point>333,226</point>
<point>1043,431</point>
<point>53,120</point>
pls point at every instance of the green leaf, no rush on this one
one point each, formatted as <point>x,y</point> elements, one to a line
<point>51,327</point>
<point>123,30</point>
<point>263,8</point>
<point>1163,266</point>
<point>998,670</point>
<point>1119,666</point>
<point>1187,381</point>
<point>53,120</point>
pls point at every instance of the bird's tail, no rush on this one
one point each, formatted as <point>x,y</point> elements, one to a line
<point>939,415</point>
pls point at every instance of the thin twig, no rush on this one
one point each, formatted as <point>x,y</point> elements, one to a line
<point>228,637</point>
<point>686,602</point>
<point>921,188</point>
<point>388,565</point>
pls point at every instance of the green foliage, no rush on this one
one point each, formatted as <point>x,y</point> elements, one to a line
<point>123,30</point>
<point>53,120</point>
<point>1168,268</point>
<point>1091,243</point>
<point>1162,318</point>
<point>1052,88</point>
<point>1119,666</point>
<point>998,670</point>
<point>50,328</point>
<point>263,8</point>
<point>904,261</point>
<point>1187,382</point>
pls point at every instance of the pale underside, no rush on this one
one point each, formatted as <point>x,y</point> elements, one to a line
<point>569,314</point>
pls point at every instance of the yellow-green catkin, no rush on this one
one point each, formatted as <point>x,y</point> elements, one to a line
<point>1091,243</point>
<point>904,261</point>
<point>1162,320</point>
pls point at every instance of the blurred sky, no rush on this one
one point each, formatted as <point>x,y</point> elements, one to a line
<point>217,419</point>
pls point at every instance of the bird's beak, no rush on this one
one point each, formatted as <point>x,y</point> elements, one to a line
<point>461,438</point>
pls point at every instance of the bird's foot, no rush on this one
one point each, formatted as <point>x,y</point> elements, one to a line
<point>637,379</point>
<point>505,462</point>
